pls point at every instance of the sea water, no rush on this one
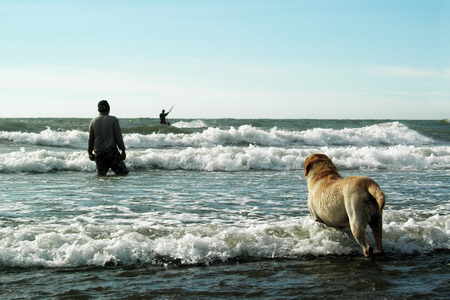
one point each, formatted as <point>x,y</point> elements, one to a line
<point>216,208</point>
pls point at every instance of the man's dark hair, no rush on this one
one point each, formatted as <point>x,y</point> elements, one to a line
<point>103,106</point>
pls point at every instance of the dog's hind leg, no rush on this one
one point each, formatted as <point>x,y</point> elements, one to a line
<point>360,237</point>
<point>358,222</point>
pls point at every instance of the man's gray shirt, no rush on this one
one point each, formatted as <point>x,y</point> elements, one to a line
<point>105,133</point>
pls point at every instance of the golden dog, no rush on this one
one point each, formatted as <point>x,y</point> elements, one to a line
<point>338,202</point>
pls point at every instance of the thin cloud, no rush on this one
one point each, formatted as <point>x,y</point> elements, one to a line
<point>396,71</point>
<point>53,78</point>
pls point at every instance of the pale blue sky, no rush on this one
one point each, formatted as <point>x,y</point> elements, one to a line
<point>226,59</point>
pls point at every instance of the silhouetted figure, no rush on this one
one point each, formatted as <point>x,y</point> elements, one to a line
<point>162,118</point>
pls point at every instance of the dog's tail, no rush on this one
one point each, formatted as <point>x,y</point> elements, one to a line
<point>375,190</point>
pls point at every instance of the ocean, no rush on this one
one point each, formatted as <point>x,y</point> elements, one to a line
<point>217,209</point>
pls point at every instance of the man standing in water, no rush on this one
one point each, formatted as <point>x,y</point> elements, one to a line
<point>104,138</point>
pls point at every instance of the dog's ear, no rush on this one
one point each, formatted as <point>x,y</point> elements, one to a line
<point>314,158</point>
<point>308,164</point>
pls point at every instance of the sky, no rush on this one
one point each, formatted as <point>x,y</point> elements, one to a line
<point>300,59</point>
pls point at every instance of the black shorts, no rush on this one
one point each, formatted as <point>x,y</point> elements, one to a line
<point>110,159</point>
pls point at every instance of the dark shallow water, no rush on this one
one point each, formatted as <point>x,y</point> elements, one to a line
<point>329,277</point>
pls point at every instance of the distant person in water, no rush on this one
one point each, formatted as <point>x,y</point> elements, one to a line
<point>162,118</point>
<point>105,137</point>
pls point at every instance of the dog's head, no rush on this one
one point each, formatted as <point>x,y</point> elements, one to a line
<point>315,159</point>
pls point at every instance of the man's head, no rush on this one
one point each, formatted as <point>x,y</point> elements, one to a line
<point>103,106</point>
<point>163,111</point>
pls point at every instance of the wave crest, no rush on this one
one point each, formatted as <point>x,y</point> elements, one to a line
<point>226,158</point>
<point>385,134</point>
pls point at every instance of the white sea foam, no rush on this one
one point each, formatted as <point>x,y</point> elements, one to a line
<point>48,137</point>
<point>81,244</point>
<point>42,161</point>
<point>191,124</point>
<point>220,158</point>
